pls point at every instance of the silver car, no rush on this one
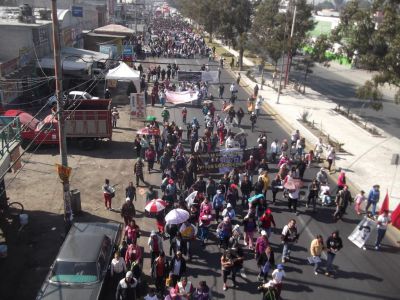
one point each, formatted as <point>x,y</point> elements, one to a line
<point>82,264</point>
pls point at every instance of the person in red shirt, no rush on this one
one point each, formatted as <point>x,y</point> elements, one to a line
<point>160,272</point>
<point>266,222</point>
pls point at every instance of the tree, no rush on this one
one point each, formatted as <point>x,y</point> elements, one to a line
<point>235,23</point>
<point>271,29</point>
<point>317,54</point>
<point>206,13</point>
<point>371,37</point>
<point>268,32</point>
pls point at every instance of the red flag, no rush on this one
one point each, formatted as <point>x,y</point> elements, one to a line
<point>396,217</point>
<point>385,204</point>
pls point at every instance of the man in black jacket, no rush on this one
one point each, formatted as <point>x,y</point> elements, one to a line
<point>333,245</point>
<point>177,267</point>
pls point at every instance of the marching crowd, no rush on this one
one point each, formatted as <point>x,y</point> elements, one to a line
<point>236,209</point>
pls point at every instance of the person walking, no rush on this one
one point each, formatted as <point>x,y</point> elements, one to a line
<point>240,115</point>
<point>266,221</point>
<point>330,157</point>
<point>218,204</point>
<point>138,171</point>
<point>184,289</point>
<point>204,224</point>
<point>333,245</point>
<point>358,201</point>
<point>382,223</point>
<point>160,272</point>
<point>289,237</point>
<point>261,244</point>
<point>265,262</point>
<point>150,155</point>
<point>203,292</point>
<point>316,248</point>
<point>221,90</point>
<point>343,198</point>
<point>117,269</point>
<point>155,243</point>
<point>177,267</point>
<point>373,199</point>
<point>128,211</point>
<point>108,193</point>
<point>249,227</point>
<point>114,116</point>
<point>126,289</point>
<point>227,266</point>
<point>313,192</point>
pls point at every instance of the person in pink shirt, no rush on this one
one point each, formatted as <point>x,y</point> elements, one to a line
<point>341,181</point>
<point>133,254</point>
<point>358,200</point>
<point>131,232</point>
<point>261,244</point>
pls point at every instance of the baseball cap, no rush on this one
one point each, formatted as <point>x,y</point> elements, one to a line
<point>280,267</point>
<point>263,232</point>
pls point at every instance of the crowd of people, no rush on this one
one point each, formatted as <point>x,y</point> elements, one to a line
<point>236,208</point>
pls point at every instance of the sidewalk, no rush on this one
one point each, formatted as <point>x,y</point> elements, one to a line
<point>367,158</point>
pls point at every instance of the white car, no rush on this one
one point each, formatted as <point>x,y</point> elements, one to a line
<point>73,95</point>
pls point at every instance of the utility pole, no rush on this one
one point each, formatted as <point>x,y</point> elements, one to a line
<point>63,170</point>
<point>289,60</point>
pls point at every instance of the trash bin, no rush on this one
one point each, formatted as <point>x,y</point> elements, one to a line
<point>76,202</point>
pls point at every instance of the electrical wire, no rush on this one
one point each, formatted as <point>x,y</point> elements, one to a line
<point>34,139</point>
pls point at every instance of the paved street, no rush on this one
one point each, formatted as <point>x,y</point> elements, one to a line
<point>361,274</point>
<point>340,84</point>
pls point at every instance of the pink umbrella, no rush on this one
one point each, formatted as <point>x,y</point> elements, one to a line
<point>149,131</point>
<point>155,206</point>
<point>293,184</point>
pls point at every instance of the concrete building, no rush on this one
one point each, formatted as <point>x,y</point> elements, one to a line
<point>26,40</point>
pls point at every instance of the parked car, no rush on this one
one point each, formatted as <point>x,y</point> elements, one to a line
<point>82,265</point>
<point>72,95</point>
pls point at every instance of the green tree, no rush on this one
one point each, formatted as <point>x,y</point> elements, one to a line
<point>371,37</point>
<point>206,13</point>
<point>268,32</point>
<point>235,23</point>
<point>316,54</point>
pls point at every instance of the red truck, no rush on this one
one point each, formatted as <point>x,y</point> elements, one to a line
<point>86,122</point>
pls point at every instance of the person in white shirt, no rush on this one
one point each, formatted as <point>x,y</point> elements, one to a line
<point>118,268</point>
<point>258,105</point>
<point>382,224</point>
<point>274,150</point>
<point>276,283</point>
<point>151,295</point>
<point>230,142</point>
<point>229,212</point>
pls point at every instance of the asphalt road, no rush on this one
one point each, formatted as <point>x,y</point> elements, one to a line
<point>360,274</point>
<point>340,85</point>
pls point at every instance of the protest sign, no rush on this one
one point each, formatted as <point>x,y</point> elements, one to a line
<point>361,233</point>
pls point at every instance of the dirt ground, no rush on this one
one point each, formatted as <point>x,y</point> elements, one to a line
<point>37,186</point>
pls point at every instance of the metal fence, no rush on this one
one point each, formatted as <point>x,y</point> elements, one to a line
<point>9,134</point>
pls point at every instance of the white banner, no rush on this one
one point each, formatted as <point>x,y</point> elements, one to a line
<point>138,107</point>
<point>361,233</point>
<point>181,97</point>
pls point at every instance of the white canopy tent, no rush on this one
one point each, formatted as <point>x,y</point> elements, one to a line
<point>125,73</point>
